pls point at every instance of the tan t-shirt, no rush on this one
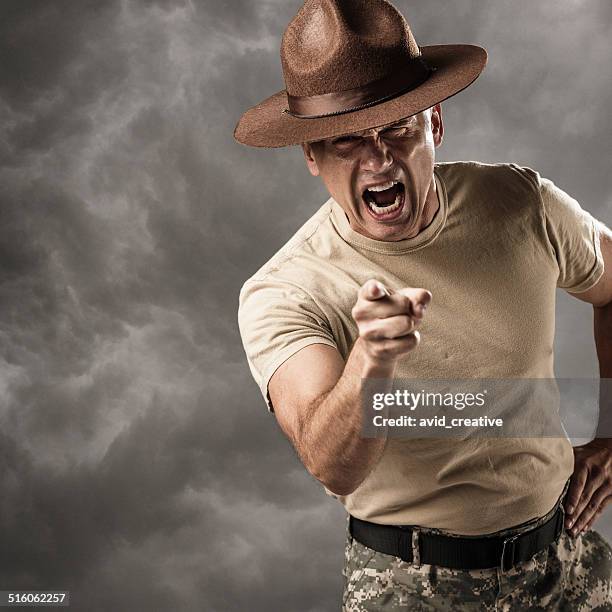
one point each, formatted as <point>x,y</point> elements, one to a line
<point>501,242</point>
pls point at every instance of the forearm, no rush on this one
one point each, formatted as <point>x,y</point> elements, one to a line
<point>333,449</point>
<point>602,323</point>
<point>603,338</point>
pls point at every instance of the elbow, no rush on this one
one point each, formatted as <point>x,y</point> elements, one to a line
<point>341,488</point>
<point>337,476</point>
<point>336,483</point>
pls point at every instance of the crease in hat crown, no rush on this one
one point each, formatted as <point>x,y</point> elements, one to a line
<point>338,45</point>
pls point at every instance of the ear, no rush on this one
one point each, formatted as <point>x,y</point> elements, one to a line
<point>311,162</point>
<point>437,125</point>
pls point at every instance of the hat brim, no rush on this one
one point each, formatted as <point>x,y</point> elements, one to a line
<point>457,67</point>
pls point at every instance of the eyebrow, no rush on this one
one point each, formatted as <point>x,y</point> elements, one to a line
<point>401,123</point>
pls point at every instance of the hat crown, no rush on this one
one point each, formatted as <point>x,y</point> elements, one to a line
<point>338,45</point>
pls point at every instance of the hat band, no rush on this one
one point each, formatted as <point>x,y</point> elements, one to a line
<point>336,103</point>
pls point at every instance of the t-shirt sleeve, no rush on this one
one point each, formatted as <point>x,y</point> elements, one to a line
<point>276,320</point>
<point>574,236</point>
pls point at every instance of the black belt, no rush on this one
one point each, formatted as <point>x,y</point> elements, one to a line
<point>457,552</point>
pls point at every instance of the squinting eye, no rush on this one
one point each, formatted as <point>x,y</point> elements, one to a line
<point>400,131</point>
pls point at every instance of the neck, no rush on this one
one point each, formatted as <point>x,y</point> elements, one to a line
<point>432,204</point>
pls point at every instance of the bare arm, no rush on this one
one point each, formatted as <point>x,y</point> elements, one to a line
<point>591,485</point>
<point>317,397</point>
<point>602,305</point>
<point>600,295</point>
<point>603,338</point>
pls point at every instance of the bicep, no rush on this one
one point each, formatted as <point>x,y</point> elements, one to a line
<point>600,293</point>
<point>300,381</point>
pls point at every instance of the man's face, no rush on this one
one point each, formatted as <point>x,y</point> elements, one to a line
<point>383,177</point>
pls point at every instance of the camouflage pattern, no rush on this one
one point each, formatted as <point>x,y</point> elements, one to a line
<point>573,574</point>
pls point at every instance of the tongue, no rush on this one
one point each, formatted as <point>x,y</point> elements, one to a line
<point>385,198</point>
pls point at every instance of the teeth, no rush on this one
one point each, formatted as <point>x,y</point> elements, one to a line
<point>382,187</point>
<point>381,210</point>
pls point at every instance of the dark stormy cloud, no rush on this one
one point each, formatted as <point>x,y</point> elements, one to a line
<point>139,468</point>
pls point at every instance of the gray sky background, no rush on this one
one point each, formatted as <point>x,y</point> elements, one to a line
<point>139,468</point>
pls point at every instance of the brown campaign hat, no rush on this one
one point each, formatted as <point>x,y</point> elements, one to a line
<point>351,65</point>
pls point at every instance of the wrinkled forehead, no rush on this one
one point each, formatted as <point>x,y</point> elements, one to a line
<point>405,122</point>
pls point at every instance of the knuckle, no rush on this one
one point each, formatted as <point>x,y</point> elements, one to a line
<point>388,348</point>
<point>412,340</point>
<point>363,291</point>
<point>408,322</point>
<point>371,286</point>
<point>382,350</point>
<point>404,325</point>
<point>381,334</point>
<point>595,469</point>
<point>367,332</point>
<point>368,284</point>
<point>394,347</point>
<point>362,311</point>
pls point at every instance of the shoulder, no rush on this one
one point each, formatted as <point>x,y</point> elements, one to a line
<point>301,244</point>
<point>505,190</point>
<point>483,175</point>
<point>293,272</point>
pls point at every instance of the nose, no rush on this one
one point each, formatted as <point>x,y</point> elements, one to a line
<point>376,155</point>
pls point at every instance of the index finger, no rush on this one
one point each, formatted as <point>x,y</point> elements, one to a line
<point>419,299</point>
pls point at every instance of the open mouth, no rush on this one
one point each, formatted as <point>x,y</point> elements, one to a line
<point>385,201</point>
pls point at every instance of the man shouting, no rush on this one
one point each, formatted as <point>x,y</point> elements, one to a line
<point>417,269</point>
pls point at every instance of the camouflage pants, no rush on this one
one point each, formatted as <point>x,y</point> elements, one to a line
<point>573,574</point>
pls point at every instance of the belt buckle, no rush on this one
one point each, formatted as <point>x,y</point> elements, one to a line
<point>508,541</point>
